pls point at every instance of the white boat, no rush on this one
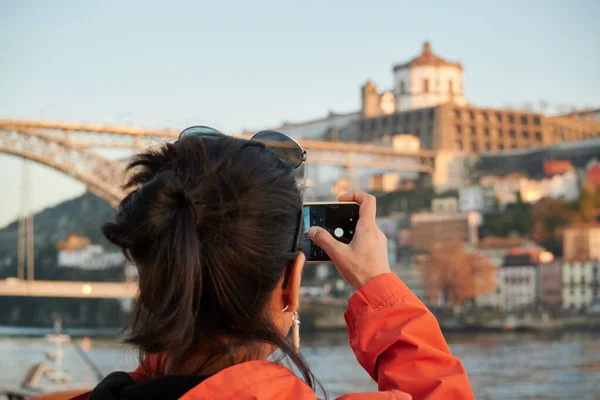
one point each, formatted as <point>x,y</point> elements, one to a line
<point>45,381</point>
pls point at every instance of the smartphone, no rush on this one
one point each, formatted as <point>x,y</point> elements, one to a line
<point>338,218</point>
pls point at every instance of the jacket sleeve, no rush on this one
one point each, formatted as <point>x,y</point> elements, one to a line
<point>399,343</point>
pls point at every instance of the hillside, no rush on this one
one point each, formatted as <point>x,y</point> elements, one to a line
<point>82,216</point>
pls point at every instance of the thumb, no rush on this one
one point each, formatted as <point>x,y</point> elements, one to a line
<point>324,240</point>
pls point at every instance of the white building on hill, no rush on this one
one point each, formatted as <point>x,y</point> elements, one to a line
<point>78,252</point>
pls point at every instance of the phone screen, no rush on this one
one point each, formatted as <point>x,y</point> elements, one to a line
<point>339,219</point>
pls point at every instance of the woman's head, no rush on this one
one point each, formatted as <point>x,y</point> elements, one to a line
<point>212,226</point>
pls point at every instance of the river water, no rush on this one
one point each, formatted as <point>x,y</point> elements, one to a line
<point>500,366</point>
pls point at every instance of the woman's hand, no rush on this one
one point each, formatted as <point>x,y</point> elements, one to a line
<point>366,256</point>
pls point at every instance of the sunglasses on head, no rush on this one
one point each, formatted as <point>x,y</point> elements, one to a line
<point>286,149</point>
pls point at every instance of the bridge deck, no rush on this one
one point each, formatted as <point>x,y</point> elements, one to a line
<point>98,290</point>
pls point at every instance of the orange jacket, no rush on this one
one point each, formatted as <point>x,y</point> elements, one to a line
<point>395,339</point>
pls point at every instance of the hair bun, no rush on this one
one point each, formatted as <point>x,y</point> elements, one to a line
<point>170,193</point>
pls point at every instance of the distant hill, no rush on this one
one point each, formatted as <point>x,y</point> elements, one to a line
<point>82,216</point>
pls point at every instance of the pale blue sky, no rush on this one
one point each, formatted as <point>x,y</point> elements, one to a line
<point>252,64</point>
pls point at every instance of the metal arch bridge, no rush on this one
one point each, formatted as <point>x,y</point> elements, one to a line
<point>70,148</point>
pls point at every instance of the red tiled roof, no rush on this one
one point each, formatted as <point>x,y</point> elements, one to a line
<point>427,58</point>
<point>492,242</point>
<point>557,167</point>
<point>582,225</point>
<point>592,176</point>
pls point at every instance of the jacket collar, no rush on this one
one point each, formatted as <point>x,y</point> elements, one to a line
<point>251,380</point>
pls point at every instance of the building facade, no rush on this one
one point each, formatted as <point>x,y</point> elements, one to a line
<point>427,229</point>
<point>430,104</point>
<point>550,285</point>
<point>519,282</point>
<point>472,130</point>
<point>476,198</point>
<point>79,252</point>
<point>448,204</point>
<point>495,250</point>
<point>508,189</point>
<point>384,183</point>
<point>581,242</point>
<point>580,283</point>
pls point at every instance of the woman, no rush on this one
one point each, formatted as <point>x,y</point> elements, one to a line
<point>212,223</point>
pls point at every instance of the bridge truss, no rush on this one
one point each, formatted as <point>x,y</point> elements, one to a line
<point>72,149</point>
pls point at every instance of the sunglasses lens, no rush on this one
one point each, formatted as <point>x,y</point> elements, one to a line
<point>288,151</point>
<point>203,131</point>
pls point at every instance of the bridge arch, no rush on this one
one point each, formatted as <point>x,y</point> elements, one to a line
<point>102,176</point>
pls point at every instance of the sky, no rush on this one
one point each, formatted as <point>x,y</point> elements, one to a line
<point>242,65</point>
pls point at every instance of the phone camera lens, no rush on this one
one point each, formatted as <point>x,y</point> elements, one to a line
<point>351,231</point>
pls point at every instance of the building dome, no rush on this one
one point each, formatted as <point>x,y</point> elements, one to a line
<point>428,80</point>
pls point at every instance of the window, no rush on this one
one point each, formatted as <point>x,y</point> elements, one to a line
<point>485,116</point>
<point>486,132</point>
<point>430,114</point>
<point>501,146</point>
<point>538,136</point>
<point>373,123</point>
<point>450,87</point>
<point>525,135</point>
<point>474,146</point>
<point>511,118</point>
<point>457,113</point>
<point>402,89</point>
<point>384,122</point>
<point>488,147</point>
<point>396,119</point>
<point>512,134</point>
<point>473,131</point>
<point>458,129</point>
<point>500,133</point>
<point>524,119</point>
<point>499,117</point>
<point>425,85</point>
<point>536,120</point>
<point>472,115</point>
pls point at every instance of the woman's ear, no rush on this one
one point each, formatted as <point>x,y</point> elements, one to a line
<point>291,291</point>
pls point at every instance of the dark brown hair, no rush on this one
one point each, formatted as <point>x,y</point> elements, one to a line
<point>210,224</point>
